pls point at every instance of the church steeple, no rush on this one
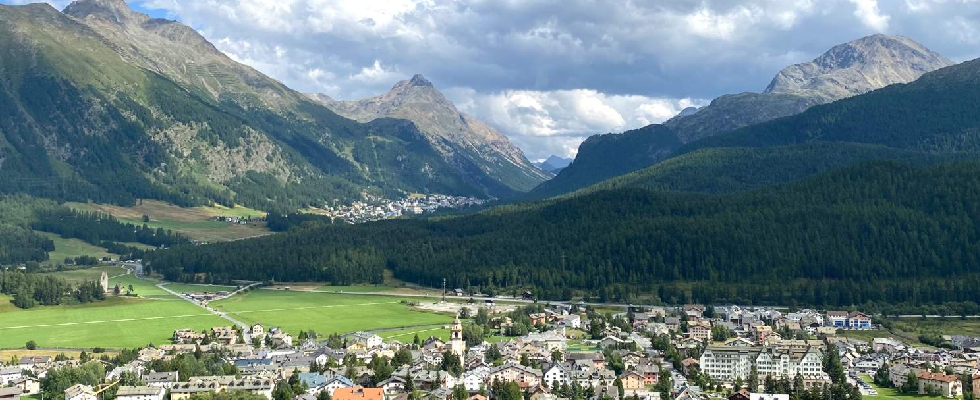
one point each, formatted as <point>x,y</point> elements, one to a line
<point>456,343</point>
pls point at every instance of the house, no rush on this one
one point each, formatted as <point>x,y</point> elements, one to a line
<point>27,385</point>
<point>740,395</point>
<point>337,382</point>
<point>673,324</point>
<point>393,385</point>
<point>538,318</point>
<point>523,376</point>
<point>31,362</point>
<point>314,381</point>
<point>366,339</point>
<point>837,319</point>
<point>140,393</point>
<point>700,330</point>
<point>359,393</point>
<point>946,385</point>
<point>10,393</point>
<point>80,392</point>
<point>257,331</point>
<point>856,320</point>
<point>557,375</point>
<point>8,375</point>
<point>162,379</point>
<point>186,336</point>
<point>761,332</point>
<point>632,380</point>
<point>573,321</point>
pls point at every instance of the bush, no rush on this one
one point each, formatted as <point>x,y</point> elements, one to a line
<point>31,345</point>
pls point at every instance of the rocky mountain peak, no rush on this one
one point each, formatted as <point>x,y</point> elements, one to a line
<point>116,11</point>
<point>858,67</point>
<point>419,80</point>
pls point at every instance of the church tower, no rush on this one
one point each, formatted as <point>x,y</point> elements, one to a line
<point>104,282</point>
<point>456,343</point>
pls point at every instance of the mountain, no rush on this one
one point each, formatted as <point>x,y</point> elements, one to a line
<point>554,164</point>
<point>106,104</point>
<point>845,70</point>
<point>926,121</point>
<point>477,150</point>
<point>871,233</point>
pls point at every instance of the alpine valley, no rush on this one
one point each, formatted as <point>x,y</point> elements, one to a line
<point>101,103</point>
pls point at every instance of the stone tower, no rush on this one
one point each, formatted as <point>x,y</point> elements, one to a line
<point>104,282</point>
<point>456,343</point>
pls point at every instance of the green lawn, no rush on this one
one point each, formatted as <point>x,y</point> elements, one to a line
<point>73,248</point>
<point>325,312</point>
<point>117,322</point>
<point>890,393</point>
<point>89,273</point>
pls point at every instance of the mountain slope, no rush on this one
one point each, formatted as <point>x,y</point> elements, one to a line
<point>554,164</point>
<point>101,103</point>
<point>926,121</point>
<point>467,143</point>
<point>846,70</point>
<point>872,233</point>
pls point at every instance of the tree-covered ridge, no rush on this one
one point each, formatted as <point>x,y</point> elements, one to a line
<point>733,169</point>
<point>878,232</point>
<point>21,217</point>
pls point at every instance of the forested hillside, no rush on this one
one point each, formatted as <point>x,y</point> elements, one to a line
<point>101,103</point>
<point>878,232</point>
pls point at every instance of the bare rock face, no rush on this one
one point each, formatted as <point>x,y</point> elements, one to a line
<point>462,139</point>
<point>846,70</point>
<point>859,67</point>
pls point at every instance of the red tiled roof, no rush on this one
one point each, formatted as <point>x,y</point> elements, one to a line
<point>929,376</point>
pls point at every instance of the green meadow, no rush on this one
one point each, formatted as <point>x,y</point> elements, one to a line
<point>325,313</point>
<point>118,322</point>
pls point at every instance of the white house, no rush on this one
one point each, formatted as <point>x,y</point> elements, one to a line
<point>8,375</point>
<point>557,375</point>
<point>476,379</point>
<point>141,393</point>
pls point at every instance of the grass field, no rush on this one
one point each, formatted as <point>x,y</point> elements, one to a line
<point>357,289</point>
<point>88,274</point>
<point>184,288</point>
<point>324,312</point>
<point>73,248</point>
<point>118,322</point>
<point>890,393</point>
<point>18,353</point>
<point>194,222</point>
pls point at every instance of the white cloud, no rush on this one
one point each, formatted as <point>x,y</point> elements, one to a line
<point>555,122</point>
<point>867,11</point>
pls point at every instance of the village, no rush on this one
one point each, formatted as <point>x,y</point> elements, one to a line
<point>568,351</point>
<point>375,208</point>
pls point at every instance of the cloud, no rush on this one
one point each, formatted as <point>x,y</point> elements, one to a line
<point>555,122</point>
<point>867,11</point>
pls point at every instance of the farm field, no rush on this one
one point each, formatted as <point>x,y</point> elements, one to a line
<point>118,322</point>
<point>325,313</point>
<point>186,288</point>
<point>88,274</point>
<point>194,222</point>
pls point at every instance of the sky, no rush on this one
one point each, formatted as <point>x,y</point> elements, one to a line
<point>549,73</point>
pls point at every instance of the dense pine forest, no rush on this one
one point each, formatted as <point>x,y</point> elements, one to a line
<point>879,232</point>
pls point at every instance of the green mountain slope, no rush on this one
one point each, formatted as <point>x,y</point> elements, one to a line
<point>102,103</point>
<point>873,233</point>
<point>846,70</point>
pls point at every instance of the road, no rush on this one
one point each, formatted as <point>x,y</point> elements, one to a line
<point>235,322</point>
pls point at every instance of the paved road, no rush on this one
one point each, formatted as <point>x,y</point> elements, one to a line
<point>213,311</point>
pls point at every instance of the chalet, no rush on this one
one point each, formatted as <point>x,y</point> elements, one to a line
<point>27,385</point>
<point>366,339</point>
<point>523,376</point>
<point>162,379</point>
<point>31,362</point>
<point>700,330</point>
<point>632,380</point>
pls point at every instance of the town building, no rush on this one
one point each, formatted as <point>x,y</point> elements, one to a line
<point>140,393</point>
